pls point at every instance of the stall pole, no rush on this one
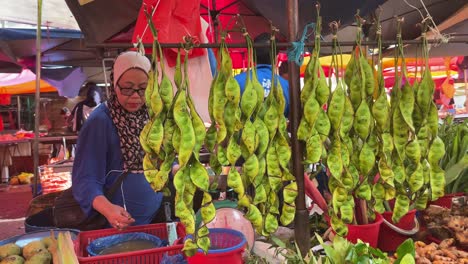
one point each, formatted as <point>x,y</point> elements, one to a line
<point>466,89</point>
<point>215,21</point>
<point>18,116</point>
<point>38,98</point>
<point>301,221</point>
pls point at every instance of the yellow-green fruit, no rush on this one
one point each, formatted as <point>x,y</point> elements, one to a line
<point>13,259</point>
<point>33,248</point>
<point>47,241</point>
<point>9,249</point>
<point>43,257</point>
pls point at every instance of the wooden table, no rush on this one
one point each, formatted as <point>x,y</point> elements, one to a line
<point>9,148</point>
<point>58,139</point>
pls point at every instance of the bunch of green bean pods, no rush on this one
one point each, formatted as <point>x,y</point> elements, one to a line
<point>229,114</point>
<point>156,136</point>
<point>250,127</point>
<point>176,129</point>
<point>384,188</point>
<point>432,148</point>
<point>192,175</point>
<point>278,154</point>
<point>314,126</point>
<point>375,151</point>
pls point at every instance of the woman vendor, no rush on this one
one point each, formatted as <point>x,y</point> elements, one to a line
<point>108,145</point>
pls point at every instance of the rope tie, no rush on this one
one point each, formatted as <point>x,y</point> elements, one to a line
<point>139,44</point>
<point>379,30</point>
<point>442,38</point>
<point>296,52</point>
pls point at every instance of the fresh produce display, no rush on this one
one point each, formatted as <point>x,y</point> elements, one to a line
<point>22,178</point>
<point>45,251</point>
<point>175,128</point>
<point>443,223</point>
<point>250,127</point>
<point>156,137</point>
<point>343,136</point>
<point>455,161</point>
<point>417,147</point>
<point>375,151</point>
<point>443,253</point>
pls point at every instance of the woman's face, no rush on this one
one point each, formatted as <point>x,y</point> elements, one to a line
<point>130,89</point>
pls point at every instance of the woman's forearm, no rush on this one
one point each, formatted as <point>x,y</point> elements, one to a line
<point>102,205</point>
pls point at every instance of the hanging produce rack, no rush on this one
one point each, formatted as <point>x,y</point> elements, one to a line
<point>301,219</point>
<point>263,45</point>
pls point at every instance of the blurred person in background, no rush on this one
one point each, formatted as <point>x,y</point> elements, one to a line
<point>83,109</point>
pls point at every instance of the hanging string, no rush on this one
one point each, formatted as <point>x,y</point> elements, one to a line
<point>296,52</point>
<point>443,38</point>
<point>139,44</point>
<point>210,23</point>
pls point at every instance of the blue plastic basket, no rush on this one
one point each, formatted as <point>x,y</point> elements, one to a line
<point>226,247</point>
<point>225,240</point>
<point>96,246</point>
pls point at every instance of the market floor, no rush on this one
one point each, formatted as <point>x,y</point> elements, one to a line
<point>14,203</point>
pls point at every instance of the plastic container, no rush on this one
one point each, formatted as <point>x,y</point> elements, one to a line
<point>389,239</point>
<point>100,244</point>
<point>227,246</point>
<point>446,200</point>
<point>24,239</point>
<point>39,189</point>
<point>154,255</point>
<point>368,233</point>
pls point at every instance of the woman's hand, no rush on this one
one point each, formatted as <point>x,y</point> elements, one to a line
<point>118,217</point>
<point>115,214</point>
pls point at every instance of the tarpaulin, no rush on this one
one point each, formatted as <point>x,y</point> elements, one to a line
<point>7,79</point>
<point>22,83</point>
<point>27,88</point>
<point>174,19</point>
<point>30,33</point>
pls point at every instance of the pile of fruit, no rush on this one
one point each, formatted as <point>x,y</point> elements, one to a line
<point>22,178</point>
<point>45,251</point>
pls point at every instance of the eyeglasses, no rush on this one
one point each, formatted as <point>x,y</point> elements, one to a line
<point>131,91</point>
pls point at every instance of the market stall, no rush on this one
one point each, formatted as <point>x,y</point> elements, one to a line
<point>382,157</point>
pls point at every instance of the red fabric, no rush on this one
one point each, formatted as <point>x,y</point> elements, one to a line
<point>313,193</point>
<point>174,19</point>
<point>5,99</point>
<point>2,126</point>
<point>227,9</point>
